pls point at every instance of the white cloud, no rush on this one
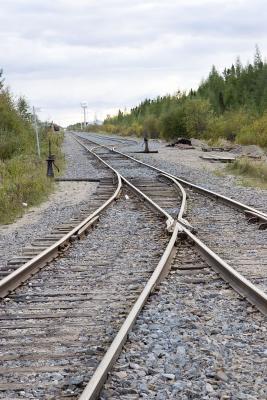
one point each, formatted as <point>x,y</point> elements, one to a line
<point>114,53</point>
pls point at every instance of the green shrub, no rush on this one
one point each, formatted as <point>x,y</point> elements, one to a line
<point>197,113</point>
<point>227,126</point>
<point>23,179</point>
<point>151,126</point>
<point>254,133</point>
<point>172,123</point>
<point>9,144</point>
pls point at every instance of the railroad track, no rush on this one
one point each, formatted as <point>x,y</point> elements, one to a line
<point>237,281</point>
<point>106,188</point>
<point>195,338</point>
<point>225,229</point>
<point>56,329</point>
<point>71,345</point>
<point>230,235</point>
<point>57,325</point>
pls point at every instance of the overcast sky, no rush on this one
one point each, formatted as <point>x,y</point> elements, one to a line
<point>114,53</point>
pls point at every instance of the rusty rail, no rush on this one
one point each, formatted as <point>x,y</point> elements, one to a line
<point>224,199</point>
<point>97,381</point>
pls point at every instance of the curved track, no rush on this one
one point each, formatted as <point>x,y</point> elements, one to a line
<point>56,327</point>
<point>221,222</point>
<point>56,359</point>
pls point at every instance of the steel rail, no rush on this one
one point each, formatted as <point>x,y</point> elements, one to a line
<point>114,139</point>
<point>98,379</point>
<point>169,219</point>
<point>155,206</point>
<point>237,281</point>
<point>227,200</point>
<point>182,210</point>
<point>28,269</point>
<point>170,222</point>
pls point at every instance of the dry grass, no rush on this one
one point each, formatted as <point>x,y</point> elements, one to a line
<point>252,172</point>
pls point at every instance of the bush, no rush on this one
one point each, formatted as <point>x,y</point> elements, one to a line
<point>172,123</point>
<point>136,129</point>
<point>226,126</point>
<point>9,144</point>
<point>23,180</point>
<point>254,133</point>
<point>16,134</point>
<point>197,113</point>
<point>151,126</point>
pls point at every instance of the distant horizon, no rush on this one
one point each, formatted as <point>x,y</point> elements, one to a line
<point>58,54</point>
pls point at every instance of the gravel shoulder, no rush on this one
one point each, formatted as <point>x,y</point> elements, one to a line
<point>204,173</point>
<point>61,206</point>
<point>188,165</point>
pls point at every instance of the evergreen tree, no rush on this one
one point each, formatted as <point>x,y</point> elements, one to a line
<point>24,109</point>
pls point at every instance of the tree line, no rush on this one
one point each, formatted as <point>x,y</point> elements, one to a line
<point>231,104</point>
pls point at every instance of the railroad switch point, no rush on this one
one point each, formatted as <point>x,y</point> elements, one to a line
<point>50,162</point>
<point>146,147</point>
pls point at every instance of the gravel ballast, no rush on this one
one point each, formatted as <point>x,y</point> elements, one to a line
<point>195,339</point>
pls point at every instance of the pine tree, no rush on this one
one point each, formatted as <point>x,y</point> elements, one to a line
<point>1,79</point>
<point>24,109</point>
<point>258,64</point>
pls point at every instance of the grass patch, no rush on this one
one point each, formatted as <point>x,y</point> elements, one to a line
<point>253,173</point>
<point>23,180</point>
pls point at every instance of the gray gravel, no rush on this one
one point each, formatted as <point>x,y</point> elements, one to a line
<point>228,234</point>
<point>195,339</point>
<point>77,161</point>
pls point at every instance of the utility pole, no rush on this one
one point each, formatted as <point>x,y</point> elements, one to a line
<point>84,106</point>
<point>36,131</point>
